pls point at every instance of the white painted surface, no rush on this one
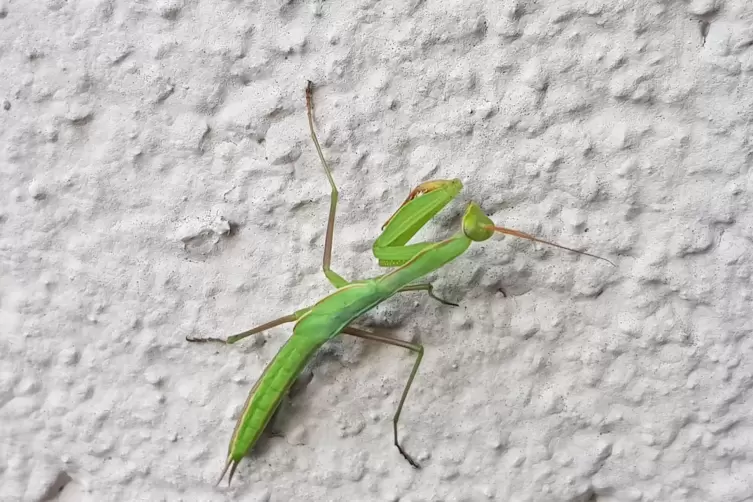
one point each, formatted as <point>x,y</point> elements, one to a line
<point>136,135</point>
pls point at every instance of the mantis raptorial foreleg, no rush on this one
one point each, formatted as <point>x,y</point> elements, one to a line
<point>413,347</point>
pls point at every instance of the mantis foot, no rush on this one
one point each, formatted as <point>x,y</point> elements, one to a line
<point>429,288</point>
<point>407,457</point>
<point>204,340</point>
<point>440,300</point>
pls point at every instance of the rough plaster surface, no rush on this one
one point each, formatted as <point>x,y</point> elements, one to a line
<point>158,181</point>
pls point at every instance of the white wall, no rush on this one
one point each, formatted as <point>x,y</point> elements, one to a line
<point>158,181</point>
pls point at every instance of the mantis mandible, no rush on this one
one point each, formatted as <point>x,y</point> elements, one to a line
<point>334,314</point>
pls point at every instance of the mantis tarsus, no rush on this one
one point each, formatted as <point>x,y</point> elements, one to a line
<point>334,314</point>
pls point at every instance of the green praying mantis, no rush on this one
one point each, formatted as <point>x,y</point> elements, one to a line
<point>334,314</point>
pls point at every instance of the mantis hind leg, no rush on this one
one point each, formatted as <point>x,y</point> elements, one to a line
<point>429,290</point>
<point>413,347</point>
<point>336,279</point>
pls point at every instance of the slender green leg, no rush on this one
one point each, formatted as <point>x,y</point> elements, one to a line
<point>336,280</point>
<point>414,347</point>
<point>429,289</point>
<point>252,331</point>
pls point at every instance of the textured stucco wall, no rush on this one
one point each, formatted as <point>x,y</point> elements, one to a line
<point>158,181</point>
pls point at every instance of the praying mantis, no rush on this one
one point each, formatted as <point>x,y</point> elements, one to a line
<point>335,313</point>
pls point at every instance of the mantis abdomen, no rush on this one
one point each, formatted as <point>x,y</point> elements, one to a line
<point>266,395</point>
<point>313,328</point>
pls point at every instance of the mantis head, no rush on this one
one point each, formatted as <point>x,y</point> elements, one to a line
<point>428,198</point>
<point>478,227</point>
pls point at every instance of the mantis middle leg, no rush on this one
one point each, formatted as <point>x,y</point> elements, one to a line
<point>429,290</point>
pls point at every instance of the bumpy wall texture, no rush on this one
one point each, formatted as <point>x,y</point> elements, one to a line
<point>158,181</point>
